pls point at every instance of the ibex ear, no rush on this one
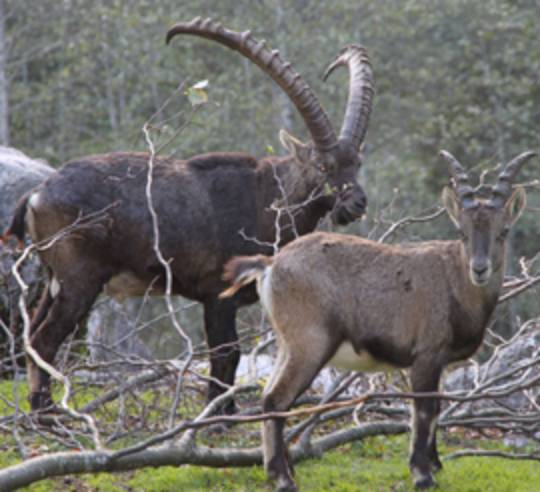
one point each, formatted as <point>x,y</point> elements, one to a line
<point>451,204</point>
<point>515,205</point>
<point>299,150</point>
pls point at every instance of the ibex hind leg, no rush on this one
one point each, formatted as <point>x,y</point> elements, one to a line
<point>294,373</point>
<point>56,318</point>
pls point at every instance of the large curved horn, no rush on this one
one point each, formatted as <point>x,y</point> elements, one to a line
<point>463,189</point>
<point>361,90</point>
<point>503,188</point>
<point>270,62</point>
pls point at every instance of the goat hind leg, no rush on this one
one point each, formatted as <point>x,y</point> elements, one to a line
<point>64,310</point>
<point>38,398</point>
<point>295,372</point>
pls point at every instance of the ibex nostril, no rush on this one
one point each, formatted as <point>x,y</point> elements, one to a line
<point>480,269</point>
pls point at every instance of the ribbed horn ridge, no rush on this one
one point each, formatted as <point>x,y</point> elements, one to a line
<point>463,189</point>
<point>361,91</point>
<point>503,188</point>
<point>269,61</point>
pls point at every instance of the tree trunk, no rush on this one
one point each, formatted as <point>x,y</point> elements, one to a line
<point>4,82</point>
<point>285,112</point>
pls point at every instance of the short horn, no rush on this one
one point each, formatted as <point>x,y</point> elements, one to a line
<point>282,73</point>
<point>463,189</point>
<point>503,188</point>
<point>361,91</point>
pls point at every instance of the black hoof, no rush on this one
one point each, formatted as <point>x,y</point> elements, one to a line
<point>436,466</point>
<point>286,485</point>
<point>425,482</point>
<point>226,409</point>
<point>40,401</point>
<point>283,479</point>
<point>216,429</point>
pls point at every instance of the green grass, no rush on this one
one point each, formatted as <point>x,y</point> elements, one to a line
<point>376,465</point>
<point>372,465</point>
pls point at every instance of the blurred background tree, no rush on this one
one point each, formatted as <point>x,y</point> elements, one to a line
<point>79,77</point>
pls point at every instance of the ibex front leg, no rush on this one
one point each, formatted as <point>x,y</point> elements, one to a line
<point>222,339</point>
<point>424,457</point>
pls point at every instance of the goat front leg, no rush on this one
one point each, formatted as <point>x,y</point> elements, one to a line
<point>434,460</point>
<point>222,340</point>
<point>425,377</point>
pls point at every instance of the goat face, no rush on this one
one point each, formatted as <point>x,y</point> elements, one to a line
<point>351,200</point>
<point>337,170</point>
<point>483,227</point>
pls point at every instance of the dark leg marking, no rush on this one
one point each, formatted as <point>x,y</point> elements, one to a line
<point>222,339</point>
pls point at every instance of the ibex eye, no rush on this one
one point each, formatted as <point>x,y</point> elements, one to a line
<point>322,168</point>
<point>504,233</point>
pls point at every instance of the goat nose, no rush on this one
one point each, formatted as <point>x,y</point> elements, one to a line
<point>362,201</point>
<point>480,269</point>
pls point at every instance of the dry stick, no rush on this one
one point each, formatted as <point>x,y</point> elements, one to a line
<point>168,273</point>
<point>518,290</point>
<point>491,454</point>
<point>65,463</point>
<point>306,427</point>
<point>409,220</point>
<point>204,422</point>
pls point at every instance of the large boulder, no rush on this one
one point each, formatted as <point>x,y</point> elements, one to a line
<point>518,352</point>
<point>18,175</point>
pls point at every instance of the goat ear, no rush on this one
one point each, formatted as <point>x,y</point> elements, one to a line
<point>515,205</point>
<point>451,204</point>
<point>299,150</point>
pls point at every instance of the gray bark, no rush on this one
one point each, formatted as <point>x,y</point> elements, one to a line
<point>4,82</point>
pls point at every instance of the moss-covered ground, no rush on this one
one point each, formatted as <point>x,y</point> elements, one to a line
<point>375,464</point>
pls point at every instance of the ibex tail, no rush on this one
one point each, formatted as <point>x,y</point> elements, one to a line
<point>242,270</point>
<point>17,226</point>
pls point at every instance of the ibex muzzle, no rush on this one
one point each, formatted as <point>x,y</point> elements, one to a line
<point>351,200</point>
<point>341,299</point>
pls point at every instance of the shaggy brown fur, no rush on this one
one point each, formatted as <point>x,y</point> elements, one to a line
<point>205,206</point>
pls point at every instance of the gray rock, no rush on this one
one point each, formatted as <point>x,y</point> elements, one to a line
<point>509,357</point>
<point>141,328</point>
<point>516,441</point>
<point>18,175</point>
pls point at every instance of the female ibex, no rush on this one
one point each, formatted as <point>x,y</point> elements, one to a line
<point>348,301</point>
<point>203,204</point>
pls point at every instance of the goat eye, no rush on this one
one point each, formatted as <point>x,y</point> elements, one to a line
<point>504,233</point>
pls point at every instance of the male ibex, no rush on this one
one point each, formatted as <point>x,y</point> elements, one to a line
<point>348,301</point>
<point>203,204</point>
